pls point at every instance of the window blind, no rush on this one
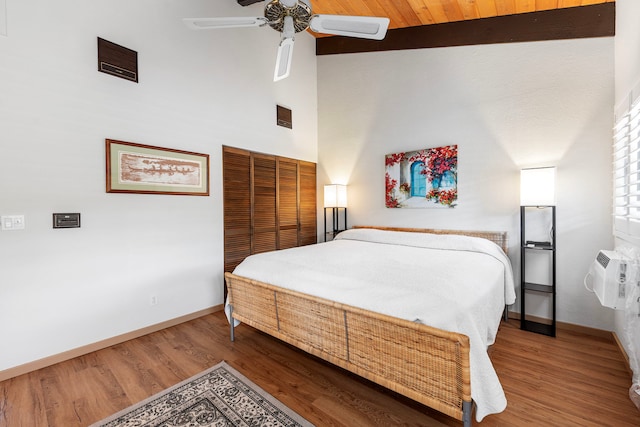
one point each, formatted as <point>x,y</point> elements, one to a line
<point>626,172</point>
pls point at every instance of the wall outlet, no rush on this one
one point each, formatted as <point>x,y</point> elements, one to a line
<point>153,300</point>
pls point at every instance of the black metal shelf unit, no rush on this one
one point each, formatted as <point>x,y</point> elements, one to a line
<point>548,289</point>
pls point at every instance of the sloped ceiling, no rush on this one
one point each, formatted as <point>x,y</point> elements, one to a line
<point>411,13</point>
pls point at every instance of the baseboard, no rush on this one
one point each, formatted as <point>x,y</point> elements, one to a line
<point>566,326</point>
<point>624,353</point>
<point>80,351</point>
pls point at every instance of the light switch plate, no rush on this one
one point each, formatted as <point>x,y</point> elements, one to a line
<point>12,222</point>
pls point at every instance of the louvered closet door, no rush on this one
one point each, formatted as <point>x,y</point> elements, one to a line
<point>269,204</point>
<point>236,178</point>
<point>307,211</point>
<point>287,203</point>
<point>264,203</point>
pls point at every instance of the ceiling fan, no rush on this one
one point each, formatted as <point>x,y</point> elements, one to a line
<point>292,16</point>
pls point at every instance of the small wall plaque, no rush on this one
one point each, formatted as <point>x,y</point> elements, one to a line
<point>117,60</point>
<point>66,220</point>
<point>284,117</point>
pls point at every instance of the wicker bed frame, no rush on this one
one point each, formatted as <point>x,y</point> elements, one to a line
<point>426,364</point>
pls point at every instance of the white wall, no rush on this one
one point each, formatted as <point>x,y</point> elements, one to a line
<point>507,107</point>
<point>627,79</point>
<point>62,289</point>
<point>627,48</point>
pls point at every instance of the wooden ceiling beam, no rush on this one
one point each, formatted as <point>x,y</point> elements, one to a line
<point>597,20</point>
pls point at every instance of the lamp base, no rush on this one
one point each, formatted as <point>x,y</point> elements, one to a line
<point>336,225</point>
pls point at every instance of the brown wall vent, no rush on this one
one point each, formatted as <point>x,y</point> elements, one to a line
<point>117,60</point>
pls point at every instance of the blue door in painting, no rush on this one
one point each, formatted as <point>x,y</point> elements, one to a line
<point>418,180</point>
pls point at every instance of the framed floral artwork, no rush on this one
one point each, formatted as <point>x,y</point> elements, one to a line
<point>425,178</point>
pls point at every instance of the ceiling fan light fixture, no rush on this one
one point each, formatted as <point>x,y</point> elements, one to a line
<point>276,11</point>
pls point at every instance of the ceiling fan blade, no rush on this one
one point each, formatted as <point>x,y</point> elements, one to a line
<point>365,27</point>
<point>214,23</point>
<point>283,61</point>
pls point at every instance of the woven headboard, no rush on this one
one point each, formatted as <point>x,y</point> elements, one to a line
<point>498,237</point>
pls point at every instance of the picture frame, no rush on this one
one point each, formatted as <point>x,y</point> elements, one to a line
<point>426,178</point>
<point>147,169</point>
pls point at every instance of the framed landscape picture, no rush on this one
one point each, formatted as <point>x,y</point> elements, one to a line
<point>426,178</point>
<point>145,169</point>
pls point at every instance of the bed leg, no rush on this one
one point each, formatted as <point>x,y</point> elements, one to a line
<point>232,323</point>
<point>466,413</point>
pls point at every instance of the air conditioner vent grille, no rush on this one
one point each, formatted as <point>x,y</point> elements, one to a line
<point>603,259</point>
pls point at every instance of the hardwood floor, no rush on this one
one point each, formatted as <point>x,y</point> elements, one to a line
<point>571,380</point>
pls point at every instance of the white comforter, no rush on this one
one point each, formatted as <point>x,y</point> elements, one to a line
<point>451,282</point>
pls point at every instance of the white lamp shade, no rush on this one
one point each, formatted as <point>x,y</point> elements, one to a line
<point>335,196</point>
<point>538,187</point>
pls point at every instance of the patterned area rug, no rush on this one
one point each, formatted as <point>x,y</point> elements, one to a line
<point>219,396</point>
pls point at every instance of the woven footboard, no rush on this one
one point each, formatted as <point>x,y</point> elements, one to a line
<point>428,365</point>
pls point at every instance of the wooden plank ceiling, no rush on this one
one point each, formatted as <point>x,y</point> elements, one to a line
<point>411,13</point>
<point>420,24</point>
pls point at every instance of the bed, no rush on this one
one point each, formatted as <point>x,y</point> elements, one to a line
<point>413,310</point>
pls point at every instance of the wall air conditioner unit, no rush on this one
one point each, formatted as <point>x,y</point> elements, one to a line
<point>609,273</point>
